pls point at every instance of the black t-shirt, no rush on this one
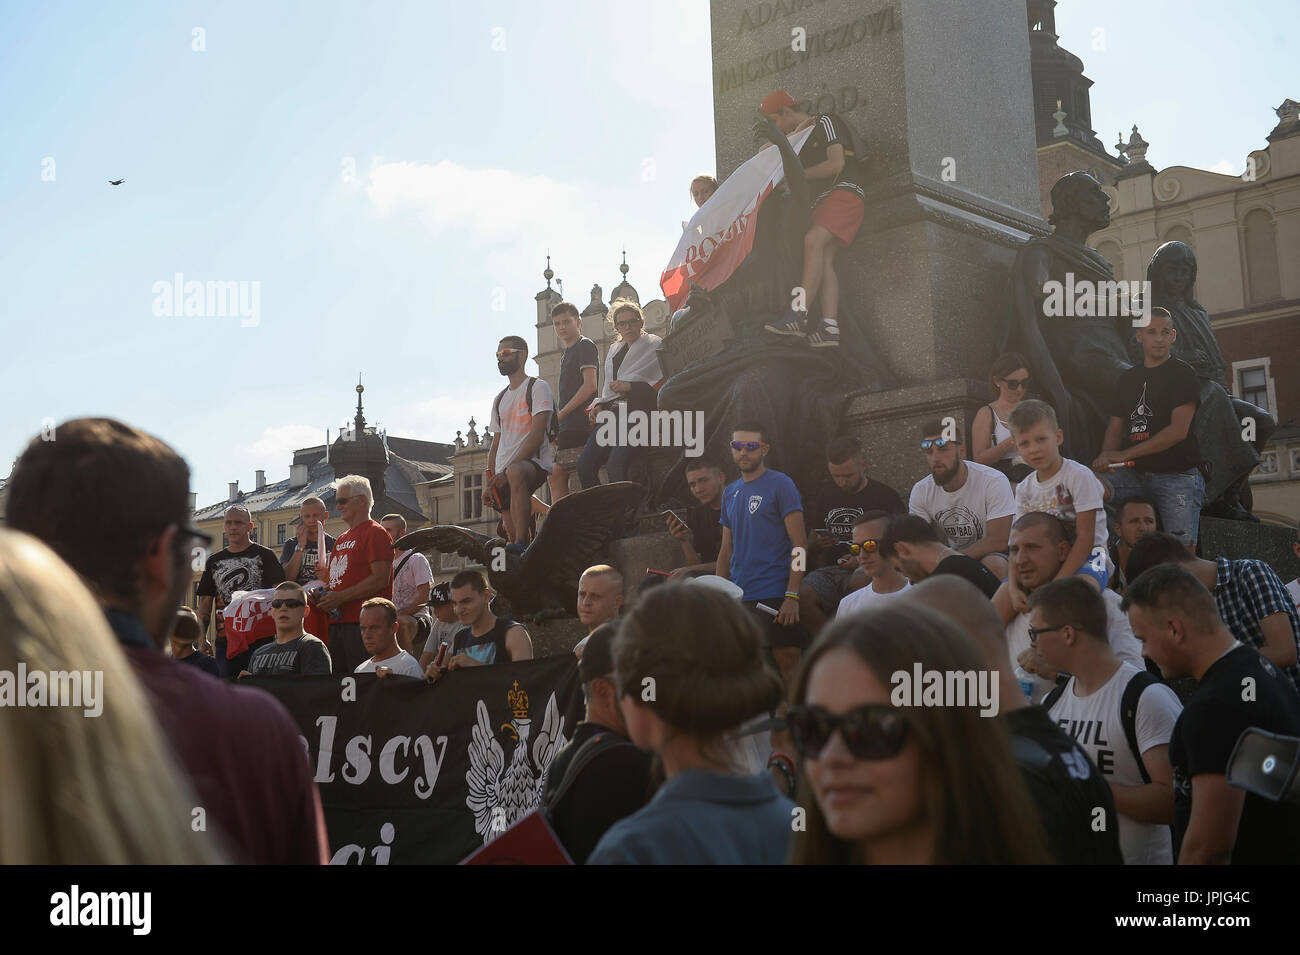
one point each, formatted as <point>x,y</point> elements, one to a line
<point>615,784</point>
<point>968,568</point>
<point>706,532</point>
<point>307,569</point>
<point>305,656</point>
<point>1067,789</point>
<point>1207,730</point>
<point>253,568</point>
<point>1145,399</point>
<point>829,129</point>
<point>837,511</point>
<point>582,354</point>
<point>202,661</point>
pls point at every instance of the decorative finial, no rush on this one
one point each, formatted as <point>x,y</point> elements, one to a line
<point>1136,147</point>
<point>1061,129</point>
<point>623,268</point>
<point>360,420</point>
<point>548,274</point>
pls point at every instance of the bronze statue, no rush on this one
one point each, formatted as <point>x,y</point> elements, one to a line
<point>1075,360</point>
<point>1218,424</point>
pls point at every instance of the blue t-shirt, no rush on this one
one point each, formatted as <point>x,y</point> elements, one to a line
<point>760,548</point>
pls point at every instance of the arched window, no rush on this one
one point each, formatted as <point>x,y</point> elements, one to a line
<point>1261,257</point>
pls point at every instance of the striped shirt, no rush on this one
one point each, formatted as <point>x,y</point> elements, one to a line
<point>1247,591</point>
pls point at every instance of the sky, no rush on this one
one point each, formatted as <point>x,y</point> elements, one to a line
<point>382,182</point>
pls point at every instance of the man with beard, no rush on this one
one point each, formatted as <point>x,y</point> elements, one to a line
<point>762,535</point>
<point>242,565</point>
<point>520,459</point>
<point>970,503</point>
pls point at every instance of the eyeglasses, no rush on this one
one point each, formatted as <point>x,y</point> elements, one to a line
<point>277,604</point>
<point>626,322</point>
<point>507,352</point>
<point>1034,632</point>
<point>1015,384</point>
<point>188,531</point>
<point>875,731</point>
<point>940,443</point>
<point>869,546</point>
<point>748,445</point>
<point>340,501</point>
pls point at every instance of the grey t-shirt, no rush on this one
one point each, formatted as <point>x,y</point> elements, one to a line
<point>305,656</point>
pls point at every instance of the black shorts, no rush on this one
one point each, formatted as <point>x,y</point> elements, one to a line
<point>776,634</point>
<point>536,477</point>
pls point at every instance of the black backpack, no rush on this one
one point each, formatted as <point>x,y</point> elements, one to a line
<point>602,742</point>
<point>1128,708</point>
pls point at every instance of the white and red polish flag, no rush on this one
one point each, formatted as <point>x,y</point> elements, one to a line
<point>721,232</point>
<point>248,617</point>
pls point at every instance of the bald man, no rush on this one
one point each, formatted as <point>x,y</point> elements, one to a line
<point>242,565</point>
<point>1074,802</point>
<point>600,599</point>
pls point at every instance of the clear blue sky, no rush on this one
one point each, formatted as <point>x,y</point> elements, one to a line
<point>579,135</point>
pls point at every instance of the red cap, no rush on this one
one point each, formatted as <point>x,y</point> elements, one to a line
<point>776,101</point>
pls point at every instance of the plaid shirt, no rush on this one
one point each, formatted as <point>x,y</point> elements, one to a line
<point>1246,592</point>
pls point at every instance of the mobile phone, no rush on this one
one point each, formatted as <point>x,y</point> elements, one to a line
<point>674,515</point>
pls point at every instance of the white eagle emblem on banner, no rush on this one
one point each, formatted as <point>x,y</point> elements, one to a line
<point>501,795</point>
<point>754,503</point>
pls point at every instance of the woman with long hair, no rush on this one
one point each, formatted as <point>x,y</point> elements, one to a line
<point>690,671</point>
<point>86,784</point>
<point>903,784</point>
<point>991,443</point>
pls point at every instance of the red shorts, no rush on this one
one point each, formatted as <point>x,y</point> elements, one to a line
<point>840,214</point>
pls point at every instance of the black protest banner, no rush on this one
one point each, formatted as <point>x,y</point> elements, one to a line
<point>413,773</point>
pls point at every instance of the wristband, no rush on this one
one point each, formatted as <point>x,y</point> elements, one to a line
<point>790,595</point>
<point>783,763</point>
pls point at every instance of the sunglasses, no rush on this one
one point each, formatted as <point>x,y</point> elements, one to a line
<point>340,501</point>
<point>507,352</point>
<point>869,546</point>
<point>875,731</point>
<point>1015,384</point>
<point>277,604</point>
<point>628,323</point>
<point>747,445</point>
<point>1035,632</point>
<point>941,443</point>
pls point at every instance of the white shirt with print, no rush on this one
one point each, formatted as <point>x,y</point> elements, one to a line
<point>1095,724</point>
<point>865,597</point>
<point>514,422</point>
<point>403,665</point>
<point>964,514</point>
<point>1071,491</point>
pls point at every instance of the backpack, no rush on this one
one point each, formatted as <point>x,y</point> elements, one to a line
<point>1128,707</point>
<point>602,742</point>
<point>528,397</point>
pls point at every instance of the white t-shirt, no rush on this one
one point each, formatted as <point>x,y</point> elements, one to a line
<point>1119,633</point>
<point>1072,490</point>
<point>403,665</point>
<point>865,597</point>
<point>964,514</point>
<point>1095,723</point>
<point>415,572</point>
<point>514,422</point>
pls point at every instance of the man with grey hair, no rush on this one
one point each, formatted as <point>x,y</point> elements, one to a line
<point>241,565</point>
<point>360,567</point>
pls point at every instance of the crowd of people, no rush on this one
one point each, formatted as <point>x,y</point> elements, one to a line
<point>746,707</point>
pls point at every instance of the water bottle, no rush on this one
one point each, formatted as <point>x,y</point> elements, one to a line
<point>334,614</point>
<point>1026,683</point>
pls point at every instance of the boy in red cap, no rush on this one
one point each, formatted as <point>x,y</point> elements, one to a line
<point>830,163</point>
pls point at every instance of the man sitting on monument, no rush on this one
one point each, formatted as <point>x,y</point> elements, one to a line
<point>1151,429</point>
<point>833,515</point>
<point>701,533</point>
<point>831,165</point>
<point>972,504</point>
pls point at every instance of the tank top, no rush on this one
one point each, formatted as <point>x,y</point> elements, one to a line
<point>1002,431</point>
<point>489,648</point>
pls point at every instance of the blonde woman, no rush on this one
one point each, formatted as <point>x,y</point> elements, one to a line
<point>86,784</point>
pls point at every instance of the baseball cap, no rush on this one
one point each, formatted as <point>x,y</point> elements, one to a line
<point>778,100</point>
<point>439,595</point>
<point>597,656</point>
